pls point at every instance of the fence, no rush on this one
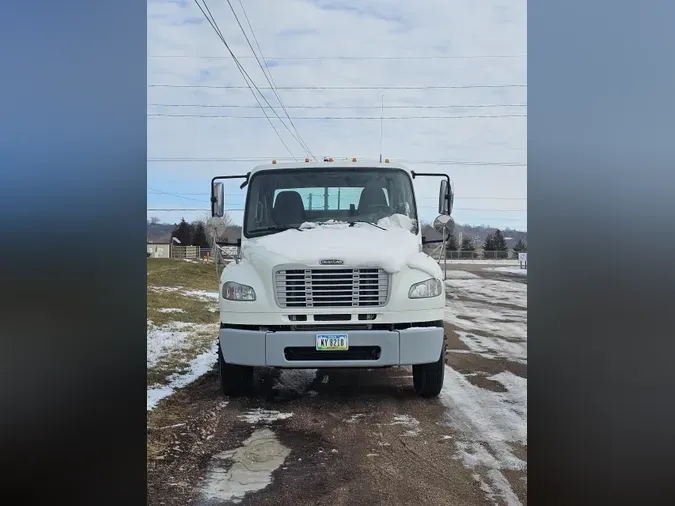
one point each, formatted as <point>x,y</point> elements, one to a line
<point>192,252</point>
<point>226,255</point>
<point>473,255</point>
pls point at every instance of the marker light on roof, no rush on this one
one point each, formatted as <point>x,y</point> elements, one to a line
<point>306,159</point>
<point>330,159</point>
<point>353,159</point>
<point>386,160</point>
<point>274,162</point>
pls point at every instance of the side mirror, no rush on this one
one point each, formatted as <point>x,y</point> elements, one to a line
<point>218,200</point>
<point>444,222</point>
<point>445,198</point>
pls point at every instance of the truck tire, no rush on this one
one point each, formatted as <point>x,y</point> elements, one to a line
<point>235,380</point>
<point>428,378</point>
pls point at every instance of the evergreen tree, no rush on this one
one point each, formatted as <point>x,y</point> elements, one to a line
<point>183,232</point>
<point>520,246</point>
<point>500,246</point>
<point>199,238</point>
<point>451,246</point>
<point>489,243</point>
<point>467,247</point>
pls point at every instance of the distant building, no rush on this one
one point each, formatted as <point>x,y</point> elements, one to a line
<point>159,250</point>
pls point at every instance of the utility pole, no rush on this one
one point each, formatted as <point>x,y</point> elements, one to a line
<point>445,258</point>
<point>381,126</point>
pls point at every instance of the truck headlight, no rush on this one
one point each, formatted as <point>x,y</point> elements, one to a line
<point>426,289</point>
<point>236,291</point>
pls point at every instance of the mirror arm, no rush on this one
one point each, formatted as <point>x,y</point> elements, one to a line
<point>436,174</point>
<point>430,174</point>
<point>213,182</point>
<point>435,241</point>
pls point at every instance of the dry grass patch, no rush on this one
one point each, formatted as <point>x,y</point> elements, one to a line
<point>170,272</point>
<point>194,309</point>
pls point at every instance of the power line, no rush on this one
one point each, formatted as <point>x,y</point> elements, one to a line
<point>280,159</point>
<point>268,74</point>
<point>335,118</point>
<point>355,58</point>
<point>179,195</point>
<point>245,75</point>
<point>239,106</point>
<point>309,88</point>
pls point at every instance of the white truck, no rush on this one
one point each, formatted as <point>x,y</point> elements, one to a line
<point>330,273</point>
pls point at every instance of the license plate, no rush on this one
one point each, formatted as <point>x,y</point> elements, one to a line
<point>332,342</point>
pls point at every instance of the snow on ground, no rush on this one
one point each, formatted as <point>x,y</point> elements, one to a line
<point>201,294</point>
<point>485,328</point>
<point>509,270</point>
<point>259,415</point>
<point>204,295</point>
<point>171,337</point>
<point>409,422</point>
<point>488,423</point>
<point>199,366</point>
<point>171,310</point>
<point>488,290</point>
<point>495,347</point>
<point>455,274</point>
<point>482,262</point>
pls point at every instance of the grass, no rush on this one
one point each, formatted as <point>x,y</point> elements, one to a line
<point>169,272</point>
<point>190,276</point>
<point>186,276</point>
<point>194,309</point>
<point>178,361</point>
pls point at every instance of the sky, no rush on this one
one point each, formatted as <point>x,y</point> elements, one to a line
<point>462,111</point>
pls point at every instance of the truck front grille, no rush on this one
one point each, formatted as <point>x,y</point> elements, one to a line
<point>331,287</point>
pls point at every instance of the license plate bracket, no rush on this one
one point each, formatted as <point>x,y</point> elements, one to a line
<point>332,342</point>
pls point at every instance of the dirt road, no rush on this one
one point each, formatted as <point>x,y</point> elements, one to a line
<point>362,436</point>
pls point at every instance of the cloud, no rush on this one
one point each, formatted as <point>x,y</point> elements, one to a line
<point>292,35</point>
<point>297,32</point>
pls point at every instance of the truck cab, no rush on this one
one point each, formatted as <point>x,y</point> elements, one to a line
<point>330,273</point>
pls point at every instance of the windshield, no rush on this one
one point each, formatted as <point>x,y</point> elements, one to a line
<point>281,199</point>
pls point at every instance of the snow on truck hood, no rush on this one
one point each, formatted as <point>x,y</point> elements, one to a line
<point>362,245</point>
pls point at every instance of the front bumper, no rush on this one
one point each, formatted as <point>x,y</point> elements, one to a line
<point>296,349</point>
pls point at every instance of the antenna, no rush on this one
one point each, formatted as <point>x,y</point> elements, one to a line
<point>381,126</point>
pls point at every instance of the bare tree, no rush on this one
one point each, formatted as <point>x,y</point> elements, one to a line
<point>216,227</point>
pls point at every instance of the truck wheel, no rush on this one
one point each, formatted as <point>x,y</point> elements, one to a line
<point>428,378</point>
<point>235,380</point>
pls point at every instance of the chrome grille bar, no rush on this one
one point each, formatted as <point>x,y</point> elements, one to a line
<point>331,287</point>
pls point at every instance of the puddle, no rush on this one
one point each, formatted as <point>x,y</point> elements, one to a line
<point>234,473</point>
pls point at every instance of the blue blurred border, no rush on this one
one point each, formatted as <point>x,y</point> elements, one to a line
<point>72,209</point>
<point>72,159</point>
<point>601,203</point>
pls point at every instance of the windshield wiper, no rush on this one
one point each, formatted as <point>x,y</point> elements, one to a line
<point>351,224</point>
<point>274,228</point>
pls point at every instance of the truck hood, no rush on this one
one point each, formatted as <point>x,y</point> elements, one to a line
<point>360,246</point>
